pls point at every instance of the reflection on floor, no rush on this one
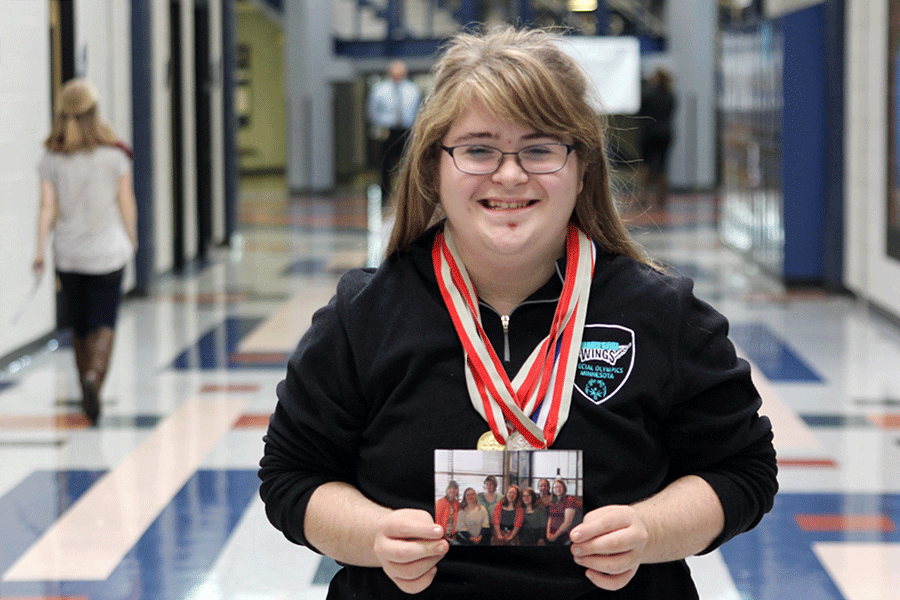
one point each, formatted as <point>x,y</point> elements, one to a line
<point>160,501</point>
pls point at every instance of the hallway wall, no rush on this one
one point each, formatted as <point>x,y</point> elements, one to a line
<point>693,48</point>
<point>103,54</point>
<point>262,141</point>
<point>101,32</point>
<point>870,272</point>
<point>24,124</point>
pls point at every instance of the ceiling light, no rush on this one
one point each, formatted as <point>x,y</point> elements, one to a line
<point>582,5</point>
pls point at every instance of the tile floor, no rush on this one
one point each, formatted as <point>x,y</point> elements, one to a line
<point>159,502</point>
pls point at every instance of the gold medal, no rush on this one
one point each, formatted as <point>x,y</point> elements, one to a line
<point>488,442</point>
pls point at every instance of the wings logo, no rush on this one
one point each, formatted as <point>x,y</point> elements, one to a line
<point>605,361</point>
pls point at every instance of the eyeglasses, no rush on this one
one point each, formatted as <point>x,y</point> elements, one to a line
<point>539,159</point>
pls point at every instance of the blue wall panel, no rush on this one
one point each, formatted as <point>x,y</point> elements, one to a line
<point>805,143</point>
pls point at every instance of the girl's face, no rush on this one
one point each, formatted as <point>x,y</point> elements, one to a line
<point>511,494</point>
<point>509,214</point>
<point>559,489</point>
<point>490,486</point>
<point>527,498</point>
<point>471,497</point>
<point>452,493</point>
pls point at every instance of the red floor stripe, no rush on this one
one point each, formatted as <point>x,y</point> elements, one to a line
<point>231,387</point>
<point>250,421</point>
<point>878,523</point>
<point>888,421</point>
<point>65,421</point>
<point>268,358</point>
<point>211,298</point>
<point>812,463</point>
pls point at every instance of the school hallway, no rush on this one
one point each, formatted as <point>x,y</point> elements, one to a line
<point>160,501</point>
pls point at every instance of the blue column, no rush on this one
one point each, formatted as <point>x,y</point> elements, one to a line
<point>833,250</point>
<point>525,11</point>
<point>395,19</point>
<point>229,119</point>
<point>601,17</point>
<point>804,144</point>
<point>142,139</point>
<point>468,12</point>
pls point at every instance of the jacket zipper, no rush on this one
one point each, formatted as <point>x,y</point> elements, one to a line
<point>504,320</point>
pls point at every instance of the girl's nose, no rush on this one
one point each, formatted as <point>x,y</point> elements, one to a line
<point>510,172</point>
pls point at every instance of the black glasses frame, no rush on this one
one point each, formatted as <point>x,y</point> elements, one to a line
<point>569,149</point>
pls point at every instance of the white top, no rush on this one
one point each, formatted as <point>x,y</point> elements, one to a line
<point>473,520</point>
<point>394,104</point>
<point>89,234</point>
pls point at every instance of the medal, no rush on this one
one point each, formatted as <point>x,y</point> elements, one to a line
<point>487,441</point>
<point>515,441</point>
<point>535,405</point>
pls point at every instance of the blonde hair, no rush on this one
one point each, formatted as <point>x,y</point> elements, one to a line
<point>465,503</point>
<point>76,125</point>
<point>521,76</point>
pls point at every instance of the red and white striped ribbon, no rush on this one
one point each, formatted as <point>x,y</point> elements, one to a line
<point>539,385</point>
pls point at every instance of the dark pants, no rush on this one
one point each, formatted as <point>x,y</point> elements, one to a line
<point>92,301</point>
<point>391,153</point>
<point>655,150</point>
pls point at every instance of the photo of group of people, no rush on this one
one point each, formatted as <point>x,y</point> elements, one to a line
<point>508,498</point>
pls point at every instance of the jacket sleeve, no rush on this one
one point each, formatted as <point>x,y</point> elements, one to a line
<point>714,429</point>
<point>313,433</point>
<point>442,512</point>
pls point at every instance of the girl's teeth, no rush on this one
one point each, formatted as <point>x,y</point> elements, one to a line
<point>506,205</point>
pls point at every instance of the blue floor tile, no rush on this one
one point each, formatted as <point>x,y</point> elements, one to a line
<point>836,421</point>
<point>777,556</point>
<point>772,355</point>
<point>215,348</point>
<point>169,560</point>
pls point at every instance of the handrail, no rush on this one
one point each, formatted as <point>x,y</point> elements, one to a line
<point>642,17</point>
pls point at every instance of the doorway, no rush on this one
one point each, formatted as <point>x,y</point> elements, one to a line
<point>203,124</point>
<point>62,69</point>
<point>177,120</point>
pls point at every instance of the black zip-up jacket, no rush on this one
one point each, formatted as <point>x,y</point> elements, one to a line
<point>377,384</point>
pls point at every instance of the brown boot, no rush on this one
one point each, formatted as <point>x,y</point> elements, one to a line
<point>99,343</point>
<point>80,347</point>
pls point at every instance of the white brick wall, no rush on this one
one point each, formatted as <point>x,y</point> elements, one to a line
<point>868,269</point>
<point>24,123</point>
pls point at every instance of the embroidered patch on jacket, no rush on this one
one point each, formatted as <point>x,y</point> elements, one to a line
<point>604,362</point>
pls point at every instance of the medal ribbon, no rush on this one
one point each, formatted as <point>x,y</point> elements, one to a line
<point>539,389</point>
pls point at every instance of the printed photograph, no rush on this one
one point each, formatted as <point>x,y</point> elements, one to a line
<point>508,498</point>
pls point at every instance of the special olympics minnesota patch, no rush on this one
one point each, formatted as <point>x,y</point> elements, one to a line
<point>605,361</point>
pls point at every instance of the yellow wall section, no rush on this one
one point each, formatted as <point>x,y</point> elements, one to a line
<point>263,142</point>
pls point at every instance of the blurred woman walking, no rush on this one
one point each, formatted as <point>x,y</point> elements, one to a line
<point>88,204</point>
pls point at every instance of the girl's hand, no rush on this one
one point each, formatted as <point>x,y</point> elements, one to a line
<point>610,543</point>
<point>409,545</point>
